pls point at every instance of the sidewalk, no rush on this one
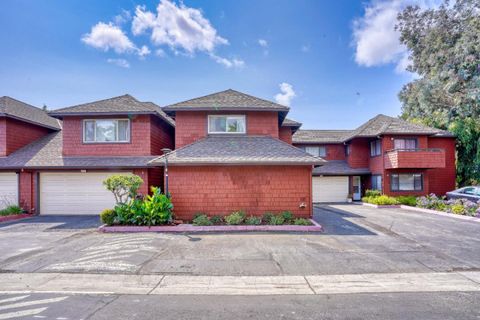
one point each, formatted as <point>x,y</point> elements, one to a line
<point>65,283</point>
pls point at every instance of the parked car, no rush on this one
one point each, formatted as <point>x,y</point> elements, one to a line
<point>471,193</point>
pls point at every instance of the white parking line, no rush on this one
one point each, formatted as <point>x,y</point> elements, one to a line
<point>23,313</point>
<point>31,303</point>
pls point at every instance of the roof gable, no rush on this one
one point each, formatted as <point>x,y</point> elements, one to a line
<point>20,110</point>
<point>125,104</point>
<point>228,100</point>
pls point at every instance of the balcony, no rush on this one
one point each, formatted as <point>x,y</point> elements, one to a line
<point>414,158</point>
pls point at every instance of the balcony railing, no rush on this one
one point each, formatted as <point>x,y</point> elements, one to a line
<point>415,158</point>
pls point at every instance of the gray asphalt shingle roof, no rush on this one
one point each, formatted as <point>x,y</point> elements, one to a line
<point>125,104</point>
<point>228,100</point>
<point>291,123</point>
<point>20,110</point>
<point>379,125</point>
<point>239,150</point>
<point>338,168</point>
<point>320,136</point>
<point>47,153</point>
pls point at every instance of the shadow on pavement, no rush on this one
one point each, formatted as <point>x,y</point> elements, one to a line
<point>334,223</point>
<point>59,222</point>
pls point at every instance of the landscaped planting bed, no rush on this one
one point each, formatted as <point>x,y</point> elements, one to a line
<point>462,207</point>
<point>12,212</point>
<point>155,213</point>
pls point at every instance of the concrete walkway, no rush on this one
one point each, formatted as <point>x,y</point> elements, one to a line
<point>64,283</point>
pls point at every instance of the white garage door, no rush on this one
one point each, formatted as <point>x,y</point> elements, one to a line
<point>330,189</point>
<point>8,189</point>
<point>74,193</point>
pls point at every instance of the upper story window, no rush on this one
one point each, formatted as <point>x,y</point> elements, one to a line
<point>106,130</point>
<point>375,148</point>
<point>348,150</point>
<point>405,144</point>
<point>318,151</point>
<point>226,124</point>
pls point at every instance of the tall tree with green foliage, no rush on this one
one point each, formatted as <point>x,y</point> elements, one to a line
<point>444,46</point>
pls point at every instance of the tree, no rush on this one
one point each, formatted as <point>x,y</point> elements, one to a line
<point>123,186</point>
<point>444,47</point>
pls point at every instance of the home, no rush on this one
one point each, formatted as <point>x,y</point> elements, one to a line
<point>231,151</point>
<point>387,154</point>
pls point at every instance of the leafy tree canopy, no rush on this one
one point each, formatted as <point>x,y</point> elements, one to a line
<point>444,46</point>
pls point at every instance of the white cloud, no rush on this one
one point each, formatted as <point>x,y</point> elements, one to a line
<point>375,38</point>
<point>229,63</point>
<point>108,36</point>
<point>160,53</point>
<point>123,17</point>
<point>143,52</point>
<point>178,26</point>
<point>263,43</point>
<point>119,62</point>
<point>286,94</point>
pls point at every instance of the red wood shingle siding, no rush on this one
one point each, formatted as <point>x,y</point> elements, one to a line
<point>219,190</point>
<point>442,180</point>
<point>285,134</point>
<point>192,125</point>
<point>147,137</point>
<point>15,134</point>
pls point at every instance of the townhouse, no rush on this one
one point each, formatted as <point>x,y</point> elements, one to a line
<point>231,151</point>
<point>386,154</point>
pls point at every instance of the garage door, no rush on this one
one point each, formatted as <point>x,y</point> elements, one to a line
<point>8,189</point>
<point>74,192</point>
<point>330,189</point>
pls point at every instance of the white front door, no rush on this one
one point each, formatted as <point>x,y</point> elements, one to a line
<point>75,193</point>
<point>357,188</point>
<point>8,189</point>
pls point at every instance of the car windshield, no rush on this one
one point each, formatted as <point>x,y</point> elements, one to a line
<point>470,191</point>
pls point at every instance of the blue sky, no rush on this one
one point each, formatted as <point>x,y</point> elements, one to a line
<point>340,61</point>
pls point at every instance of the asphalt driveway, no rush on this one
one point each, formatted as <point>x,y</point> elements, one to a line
<point>357,239</point>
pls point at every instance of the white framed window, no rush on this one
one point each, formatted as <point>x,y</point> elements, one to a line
<point>377,182</point>
<point>106,130</point>
<point>407,182</point>
<point>318,151</point>
<point>405,144</point>
<point>230,124</point>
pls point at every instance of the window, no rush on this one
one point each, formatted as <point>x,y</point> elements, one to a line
<point>377,182</point>
<point>407,182</point>
<point>375,148</point>
<point>106,130</point>
<point>318,151</point>
<point>226,124</point>
<point>405,144</point>
<point>470,191</point>
<point>347,150</point>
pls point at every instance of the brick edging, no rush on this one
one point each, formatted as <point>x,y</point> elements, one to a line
<point>13,217</point>
<point>441,213</point>
<point>191,228</point>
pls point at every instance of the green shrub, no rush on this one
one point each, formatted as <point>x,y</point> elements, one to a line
<point>123,186</point>
<point>287,216</point>
<point>276,220</point>
<point>302,222</point>
<point>11,209</point>
<point>202,220</point>
<point>216,219</point>
<point>267,216</point>
<point>458,209</point>
<point>253,220</point>
<point>373,193</point>
<point>235,218</point>
<point>108,216</point>
<point>407,200</point>
<point>382,200</point>
<point>156,209</point>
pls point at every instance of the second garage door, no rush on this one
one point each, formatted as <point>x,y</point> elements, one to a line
<point>75,193</point>
<point>330,189</point>
<point>8,189</point>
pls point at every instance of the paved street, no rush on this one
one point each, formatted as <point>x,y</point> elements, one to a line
<point>364,256</point>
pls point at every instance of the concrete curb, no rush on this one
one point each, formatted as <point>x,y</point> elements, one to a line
<point>74,283</point>
<point>14,217</point>
<point>440,213</point>
<point>381,206</point>
<point>191,228</point>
